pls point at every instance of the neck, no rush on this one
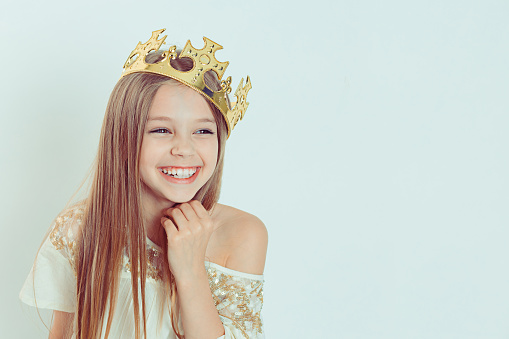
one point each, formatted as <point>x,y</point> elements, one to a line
<point>153,211</point>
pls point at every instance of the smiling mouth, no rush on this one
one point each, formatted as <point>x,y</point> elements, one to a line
<point>179,172</point>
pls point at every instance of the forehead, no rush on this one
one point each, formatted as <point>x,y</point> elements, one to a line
<point>178,101</point>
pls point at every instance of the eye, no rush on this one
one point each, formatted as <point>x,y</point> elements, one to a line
<point>204,131</point>
<point>160,130</point>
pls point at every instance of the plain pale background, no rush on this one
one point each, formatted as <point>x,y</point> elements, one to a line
<point>374,149</point>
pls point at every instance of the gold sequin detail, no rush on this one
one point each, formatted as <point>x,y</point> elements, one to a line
<point>154,263</point>
<point>238,299</point>
<point>62,237</point>
<point>63,240</point>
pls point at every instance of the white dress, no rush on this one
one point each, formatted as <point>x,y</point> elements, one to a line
<point>51,284</point>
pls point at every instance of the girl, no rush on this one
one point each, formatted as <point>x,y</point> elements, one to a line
<point>150,253</point>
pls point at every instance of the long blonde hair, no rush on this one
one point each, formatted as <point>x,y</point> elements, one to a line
<point>113,219</point>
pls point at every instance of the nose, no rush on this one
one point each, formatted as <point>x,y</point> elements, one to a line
<point>182,146</point>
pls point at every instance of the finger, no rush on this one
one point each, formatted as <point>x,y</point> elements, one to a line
<point>169,226</point>
<point>188,212</point>
<point>204,216</point>
<point>167,212</point>
<point>199,210</point>
<point>179,219</point>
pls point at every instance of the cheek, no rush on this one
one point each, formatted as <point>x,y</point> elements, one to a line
<point>143,169</point>
<point>208,154</point>
<point>146,160</point>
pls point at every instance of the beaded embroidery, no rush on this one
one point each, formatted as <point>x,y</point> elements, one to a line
<point>154,263</point>
<point>62,237</point>
<point>238,299</point>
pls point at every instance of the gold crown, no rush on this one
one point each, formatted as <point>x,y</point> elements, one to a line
<point>204,61</point>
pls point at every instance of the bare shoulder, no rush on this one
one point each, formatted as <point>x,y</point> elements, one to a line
<point>242,237</point>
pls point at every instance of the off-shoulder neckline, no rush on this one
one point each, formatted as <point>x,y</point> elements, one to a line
<point>217,266</point>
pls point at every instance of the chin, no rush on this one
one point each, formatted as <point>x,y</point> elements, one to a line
<point>181,199</point>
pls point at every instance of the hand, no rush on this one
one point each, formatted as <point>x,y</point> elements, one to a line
<point>188,229</point>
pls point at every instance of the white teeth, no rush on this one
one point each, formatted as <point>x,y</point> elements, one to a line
<point>180,173</point>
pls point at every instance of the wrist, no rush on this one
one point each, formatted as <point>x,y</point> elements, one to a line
<point>191,277</point>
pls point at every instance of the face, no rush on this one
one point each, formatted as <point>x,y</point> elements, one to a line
<point>179,148</point>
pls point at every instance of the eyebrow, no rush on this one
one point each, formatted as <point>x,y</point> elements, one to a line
<point>163,118</point>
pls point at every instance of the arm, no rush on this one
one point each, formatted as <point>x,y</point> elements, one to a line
<point>188,232</point>
<point>61,327</point>
<point>248,245</point>
<point>199,314</point>
<point>238,298</point>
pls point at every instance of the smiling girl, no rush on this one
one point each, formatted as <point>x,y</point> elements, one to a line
<point>151,253</point>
